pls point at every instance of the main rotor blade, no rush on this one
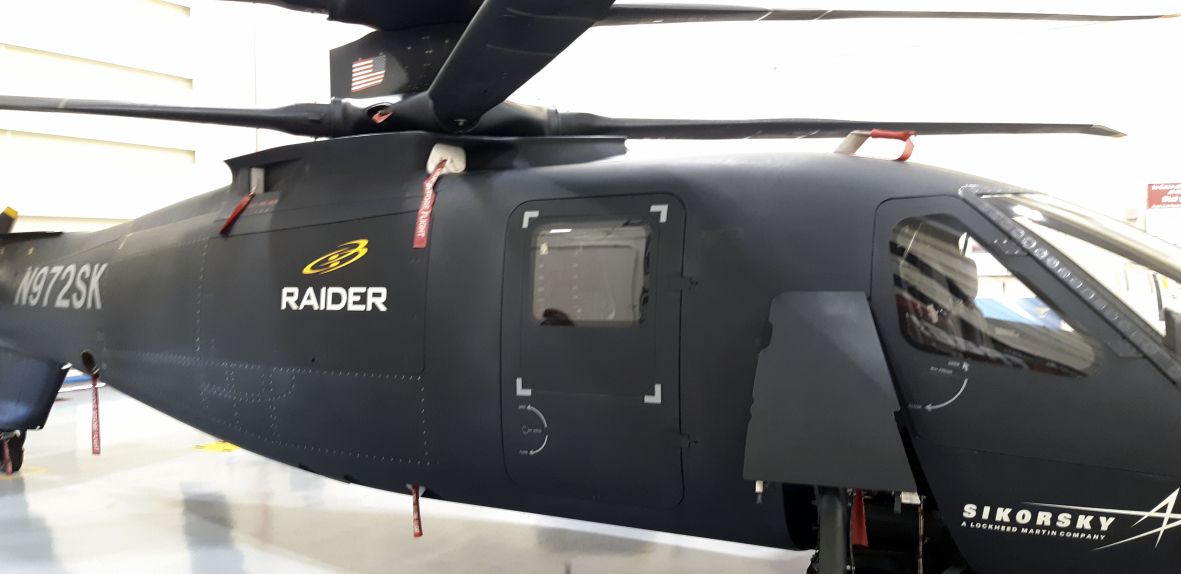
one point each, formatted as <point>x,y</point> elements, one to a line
<point>392,15</point>
<point>628,14</point>
<point>590,124</point>
<point>343,119</point>
<point>505,45</point>
<point>312,120</point>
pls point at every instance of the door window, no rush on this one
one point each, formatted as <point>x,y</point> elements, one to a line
<point>590,272</point>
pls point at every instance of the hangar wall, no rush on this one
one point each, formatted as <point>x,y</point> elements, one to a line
<point>79,173</point>
<point>1118,74</point>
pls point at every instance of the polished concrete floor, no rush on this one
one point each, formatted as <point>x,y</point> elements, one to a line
<point>153,502</point>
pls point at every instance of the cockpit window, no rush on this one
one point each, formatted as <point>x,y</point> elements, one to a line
<point>1142,271</point>
<point>590,272</point>
<point>955,298</point>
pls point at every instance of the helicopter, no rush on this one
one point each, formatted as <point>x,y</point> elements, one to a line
<point>495,304</point>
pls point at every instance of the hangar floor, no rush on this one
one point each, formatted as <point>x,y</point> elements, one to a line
<point>154,503</point>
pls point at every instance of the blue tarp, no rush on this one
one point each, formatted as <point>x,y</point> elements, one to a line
<point>1029,310</point>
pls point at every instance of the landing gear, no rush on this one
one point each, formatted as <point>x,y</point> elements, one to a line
<point>903,537</point>
<point>15,442</point>
<point>832,545</point>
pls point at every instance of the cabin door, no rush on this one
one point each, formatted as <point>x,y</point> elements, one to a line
<point>591,330</point>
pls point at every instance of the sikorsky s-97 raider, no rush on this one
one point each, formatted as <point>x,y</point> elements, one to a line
<point>908,369</point>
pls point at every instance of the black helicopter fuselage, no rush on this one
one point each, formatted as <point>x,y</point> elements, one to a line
<point>316,334</point>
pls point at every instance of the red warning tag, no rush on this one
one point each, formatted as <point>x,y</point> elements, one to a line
<point>7,457</point>
<point>238,209</point>
<point>96,442</point>
<point>858,535</point>
<point>904,136</point>
<point>422,227</point>
<point>414,492</point>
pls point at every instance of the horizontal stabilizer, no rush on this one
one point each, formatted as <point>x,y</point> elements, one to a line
<point>7,219</point>
<point>28,386</point>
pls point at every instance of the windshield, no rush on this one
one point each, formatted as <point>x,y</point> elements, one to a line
<point>1141,270</point>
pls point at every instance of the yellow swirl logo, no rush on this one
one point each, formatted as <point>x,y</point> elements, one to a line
<point>344,254</point>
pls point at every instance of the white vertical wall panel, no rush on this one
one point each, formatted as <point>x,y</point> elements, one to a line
<point>74,177</point>
<point>56,169</point>
<point>34,223</point>
<point>237,54</point>
<point>144,34</point>
<point>53,74</point>
<point>84,167</point>
<point>25,71</point>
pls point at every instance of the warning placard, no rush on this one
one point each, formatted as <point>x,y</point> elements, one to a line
<point>1164,195</point>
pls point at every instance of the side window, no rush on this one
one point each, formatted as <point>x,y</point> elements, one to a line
<point>590,272</point>
<point>954,298</point>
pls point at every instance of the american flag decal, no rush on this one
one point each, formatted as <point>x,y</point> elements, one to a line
<point>368,72</point>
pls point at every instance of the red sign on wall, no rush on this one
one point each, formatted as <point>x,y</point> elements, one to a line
<point>1164,195</point>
